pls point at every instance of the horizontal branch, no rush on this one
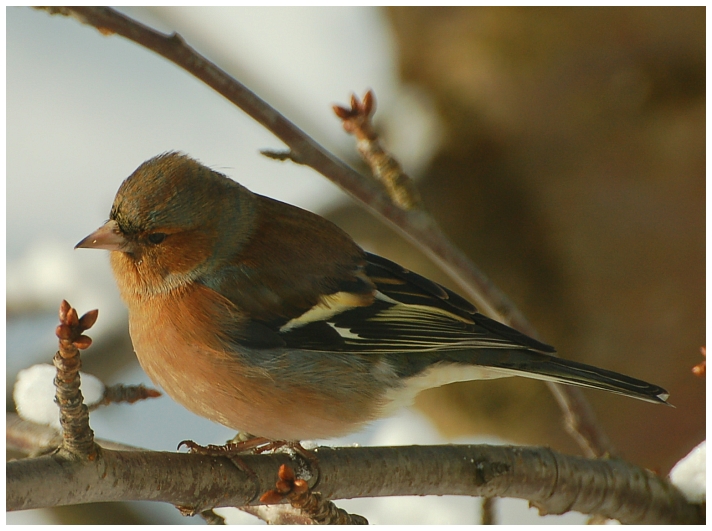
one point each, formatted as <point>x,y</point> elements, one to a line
<point>552,482</point>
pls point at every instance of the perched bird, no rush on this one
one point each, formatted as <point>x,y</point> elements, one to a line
<point>270,319</point>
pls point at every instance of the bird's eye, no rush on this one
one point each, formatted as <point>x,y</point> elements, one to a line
<point>156,237</point>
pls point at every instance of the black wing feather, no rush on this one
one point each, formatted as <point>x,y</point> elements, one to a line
<point>410,314</point>
<point>410,288</point>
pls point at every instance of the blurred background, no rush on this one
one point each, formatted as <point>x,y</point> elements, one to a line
<point>563,149</point>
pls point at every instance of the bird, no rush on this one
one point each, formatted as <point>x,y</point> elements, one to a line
<point>271,320</point>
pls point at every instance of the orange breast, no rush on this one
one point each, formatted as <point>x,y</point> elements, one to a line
<point>176,339</point>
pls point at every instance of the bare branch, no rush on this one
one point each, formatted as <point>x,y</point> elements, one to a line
<point>553,482</point>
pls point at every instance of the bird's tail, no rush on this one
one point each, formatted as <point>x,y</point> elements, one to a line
<point>545,367</point>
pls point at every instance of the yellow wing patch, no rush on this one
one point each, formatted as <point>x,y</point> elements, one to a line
<point>328,306</point>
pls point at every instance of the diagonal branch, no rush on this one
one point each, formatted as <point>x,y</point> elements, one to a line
<point>415,224</point>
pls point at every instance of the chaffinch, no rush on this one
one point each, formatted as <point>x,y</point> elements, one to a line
<point>270,319</point>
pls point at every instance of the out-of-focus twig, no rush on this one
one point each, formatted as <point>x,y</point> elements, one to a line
<point>700,369</point>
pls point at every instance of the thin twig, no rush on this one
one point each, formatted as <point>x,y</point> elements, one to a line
<point>120,393</point>
<point>384,167</point>
<point>77,436</point>
<point>319,509</point>
<point>488,511</point>
<point>416,225</point>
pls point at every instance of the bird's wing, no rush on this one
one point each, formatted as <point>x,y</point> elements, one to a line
<point>305,284</point>
<point>408,313</point>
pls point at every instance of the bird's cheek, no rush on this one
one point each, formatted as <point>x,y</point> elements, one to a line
<point>129,279</point>
<point>180,255</point>
<point>154,269</point>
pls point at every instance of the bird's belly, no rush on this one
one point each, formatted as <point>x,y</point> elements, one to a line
<point>217,385</point>
<point>402,396</point>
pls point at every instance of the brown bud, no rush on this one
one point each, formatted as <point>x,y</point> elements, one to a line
<point>283,486</point>
<point>699,370</point>
<point>271,497</point>
<point>300,486</point>
<point>72,317</point>
<point>286,473</point>
<point>63,332</point>
<point>152,393</point>
<point>341,112</point>
<point>63,309</point>
<point>82,342</point>
<point>88,319</point>
<point>369,102</point>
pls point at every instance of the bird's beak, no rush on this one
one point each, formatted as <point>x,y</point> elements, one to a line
<point>107,237</point>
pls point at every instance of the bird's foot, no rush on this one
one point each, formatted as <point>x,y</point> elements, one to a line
<point>247,444</point>
<point>253,445</point>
